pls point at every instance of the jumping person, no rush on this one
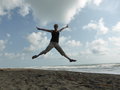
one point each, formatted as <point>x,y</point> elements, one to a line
<point>54,42</point>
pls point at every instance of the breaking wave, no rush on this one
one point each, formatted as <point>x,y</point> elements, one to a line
<point>91,68</point>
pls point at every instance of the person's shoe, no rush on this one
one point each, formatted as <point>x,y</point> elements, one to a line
<point>72,60</point>
<point>35,56</point>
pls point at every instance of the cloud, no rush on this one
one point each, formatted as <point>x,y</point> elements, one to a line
<point>98,46</point>
<point>66,41</point>
<point>98,26</point>
<point>116,28</point>
<point>115,40</point>
<point>110,6</point>
<point>70,46</point>
<point>6,7</point>
<point>45,11</point>
<point>57,10</point>
<point>2,44</point>
<point>91,25</point>
<point>13,55</point>
<point>74,43</point>
<point>8,35</point>
<point>97,2</point>
<point>37,41</point>
<point>24,9</point>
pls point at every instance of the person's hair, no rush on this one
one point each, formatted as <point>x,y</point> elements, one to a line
<point>55,25</point>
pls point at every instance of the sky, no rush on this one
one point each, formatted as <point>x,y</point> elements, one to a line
<point>93,35</point>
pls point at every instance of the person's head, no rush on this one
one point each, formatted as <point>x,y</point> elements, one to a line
<point>55,26</point>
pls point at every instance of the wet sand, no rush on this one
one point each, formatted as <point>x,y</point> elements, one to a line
<point>34,79</point>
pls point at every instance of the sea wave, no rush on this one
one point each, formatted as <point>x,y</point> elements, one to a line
<point>86,66</point>
<point>113,68</point>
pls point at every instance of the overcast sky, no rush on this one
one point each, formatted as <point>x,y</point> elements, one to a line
<point>93,35</point>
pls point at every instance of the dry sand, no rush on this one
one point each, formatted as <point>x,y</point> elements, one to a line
<point>34,79</point>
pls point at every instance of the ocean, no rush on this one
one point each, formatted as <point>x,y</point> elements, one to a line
<point>112,68</point>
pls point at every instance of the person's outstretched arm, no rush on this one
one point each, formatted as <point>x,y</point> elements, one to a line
<point>63,28</point>
<point>43,29</point>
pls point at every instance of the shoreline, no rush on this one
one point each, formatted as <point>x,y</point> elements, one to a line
<point>37,79</point>
<point>42,69</point>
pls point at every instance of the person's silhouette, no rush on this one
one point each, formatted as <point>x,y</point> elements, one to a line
<point>54,42</point>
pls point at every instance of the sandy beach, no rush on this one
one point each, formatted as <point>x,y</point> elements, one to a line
<point>34,79</point>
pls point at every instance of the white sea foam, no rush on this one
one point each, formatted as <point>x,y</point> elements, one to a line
<point>91,68</point>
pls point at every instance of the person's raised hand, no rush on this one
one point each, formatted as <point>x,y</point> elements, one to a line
<point>67,26</point>
<point>37,28</point>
